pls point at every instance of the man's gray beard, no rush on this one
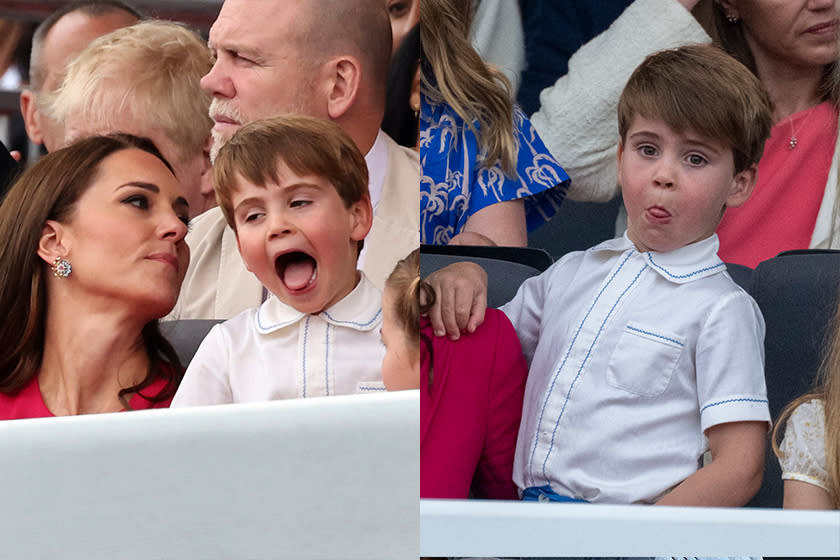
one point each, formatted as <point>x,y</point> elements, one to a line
<point>218,141</point>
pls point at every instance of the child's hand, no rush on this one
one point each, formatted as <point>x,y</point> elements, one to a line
<point>461,298</point>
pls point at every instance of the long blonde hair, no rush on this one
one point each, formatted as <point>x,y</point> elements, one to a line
<point>453,72</point>
<point>827,391</point>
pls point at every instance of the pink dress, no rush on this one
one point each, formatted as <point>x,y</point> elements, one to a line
<point>469,417</point>
<point>28,402</point>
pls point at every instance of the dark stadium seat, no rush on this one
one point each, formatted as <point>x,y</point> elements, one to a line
<point>506,267</point>
<point>186,334</point>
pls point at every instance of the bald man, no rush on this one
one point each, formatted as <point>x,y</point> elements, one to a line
<point>57,40</point>
<point>323,58</point>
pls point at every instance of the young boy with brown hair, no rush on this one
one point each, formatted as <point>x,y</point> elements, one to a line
<point>644,354</point>
<point>294,190</point>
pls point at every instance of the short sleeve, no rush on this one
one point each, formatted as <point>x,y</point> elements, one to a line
<point>206,379</point>
<point>803,448</point>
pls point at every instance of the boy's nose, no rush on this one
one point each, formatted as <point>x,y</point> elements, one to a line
<point>279,226</point>
<point>664,175</point>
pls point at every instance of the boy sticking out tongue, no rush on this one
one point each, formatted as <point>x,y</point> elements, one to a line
<point>294,189</point>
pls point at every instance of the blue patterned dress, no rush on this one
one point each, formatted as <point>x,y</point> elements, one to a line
<point>453,186</point>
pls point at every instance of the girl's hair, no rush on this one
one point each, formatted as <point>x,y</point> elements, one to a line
<point>49,190</point>
<point>409,289</point>
<point>731,37</point>
<point>828,391</point>
<point>400,122</point>
<point>453,72</point>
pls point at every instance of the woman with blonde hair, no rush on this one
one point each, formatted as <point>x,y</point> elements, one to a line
<point>487,177</point>
<point>93,255</point>
<point>810,451</point>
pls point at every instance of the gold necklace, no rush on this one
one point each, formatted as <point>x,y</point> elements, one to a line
<point>794,141</point>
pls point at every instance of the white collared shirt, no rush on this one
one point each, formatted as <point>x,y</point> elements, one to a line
<point>276,352</point>
<point>632,357</point>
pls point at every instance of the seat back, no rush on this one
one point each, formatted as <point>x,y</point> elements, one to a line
<point>185,335</point>
<point>797,292</point>
<point>506,267</point>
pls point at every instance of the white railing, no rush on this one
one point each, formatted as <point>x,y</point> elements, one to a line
<point>494,528</point>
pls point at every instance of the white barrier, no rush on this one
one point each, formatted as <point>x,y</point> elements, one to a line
<point>334,477</point>
<point>493,528</point>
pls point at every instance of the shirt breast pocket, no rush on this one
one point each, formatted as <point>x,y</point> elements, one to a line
<point>644,360</point>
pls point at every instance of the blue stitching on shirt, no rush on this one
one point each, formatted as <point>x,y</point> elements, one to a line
<point>699,271</point>
<point>583,364</point>
<point>363,388</point>
<point>677,342</point>
<point>327,362</point>
<point>731,401</point>
<point>358,324</point>
<point>566,357</point>
<point>305,336</point>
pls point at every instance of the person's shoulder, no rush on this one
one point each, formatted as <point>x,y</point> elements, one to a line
<point>402,154</point>
<point>809,411</point>
<point>207,223</point>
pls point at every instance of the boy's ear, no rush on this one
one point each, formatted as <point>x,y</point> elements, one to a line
<point>742,186</point>
<point>619,154</point>
<point>361,218</point>
<point>239,248</point>
<point>345,78</point>
<point>54,241</point>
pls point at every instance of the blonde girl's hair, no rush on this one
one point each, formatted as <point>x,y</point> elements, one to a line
<point>453,72</point>
<point>827,391</point>
<point>409,290</point>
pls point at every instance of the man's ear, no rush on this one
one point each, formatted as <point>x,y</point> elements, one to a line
<point>361,216</point>
<point>742,186</point>
<point>54,241</point>
<point>31,116</point>
<point>345,78</point>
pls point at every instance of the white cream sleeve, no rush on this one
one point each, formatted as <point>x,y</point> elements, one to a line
<point>803,448</point>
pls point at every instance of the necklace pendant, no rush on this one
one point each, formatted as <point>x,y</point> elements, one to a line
<point>793,142</point>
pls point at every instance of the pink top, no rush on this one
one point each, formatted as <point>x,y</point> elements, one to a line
<point>28,402</point>
<point>782,210</point>
<point>469,419</point>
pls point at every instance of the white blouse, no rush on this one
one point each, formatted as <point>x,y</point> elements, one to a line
<point>803,448</point>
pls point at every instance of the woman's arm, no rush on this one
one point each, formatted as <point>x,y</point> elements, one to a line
<point>735,473</point>
<point>502,224</point>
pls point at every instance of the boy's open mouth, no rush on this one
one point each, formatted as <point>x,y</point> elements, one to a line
<point>297,270</point>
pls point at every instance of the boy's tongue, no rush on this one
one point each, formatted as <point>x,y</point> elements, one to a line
<point>298,273</point>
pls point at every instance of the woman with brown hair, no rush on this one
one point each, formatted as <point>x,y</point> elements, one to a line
<point>93,254</point>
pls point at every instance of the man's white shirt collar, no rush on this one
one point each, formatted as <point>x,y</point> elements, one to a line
<point>361,310</point>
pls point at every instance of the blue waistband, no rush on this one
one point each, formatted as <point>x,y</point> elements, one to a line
<point>546,494</point>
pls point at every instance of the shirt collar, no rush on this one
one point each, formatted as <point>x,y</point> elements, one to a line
<point>361,309</point>
<point>692,262</point>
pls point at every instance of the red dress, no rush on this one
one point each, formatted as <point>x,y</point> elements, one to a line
<point>28,402</point>
<point>469,419</point>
